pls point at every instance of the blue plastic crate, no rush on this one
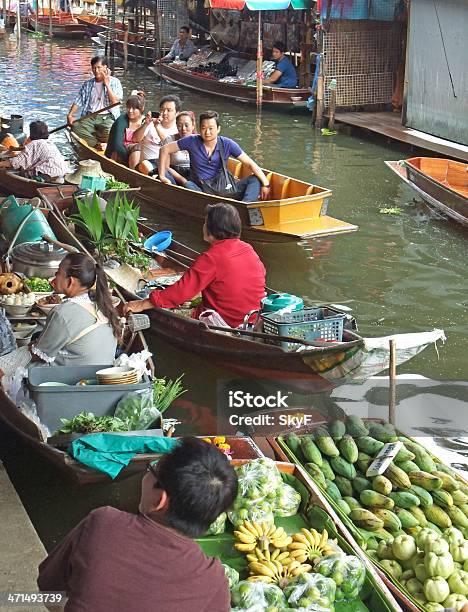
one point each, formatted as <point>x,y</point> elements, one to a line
<point>95,183</point>
<point>307,324</point>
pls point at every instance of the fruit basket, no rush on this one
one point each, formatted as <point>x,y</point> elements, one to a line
<point>416,493</point>
<point>314,513</point>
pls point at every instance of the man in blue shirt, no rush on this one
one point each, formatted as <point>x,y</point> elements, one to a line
<point>206,163</point>
<point>284,74</point>
<point>182,49</point>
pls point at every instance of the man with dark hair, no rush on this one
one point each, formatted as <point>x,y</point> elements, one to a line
<point>229,275</point>
<point>96,93</point>
<point>114,561</point>
<point>284,74</point>
<point>182,49</point>
<point>206,162</point>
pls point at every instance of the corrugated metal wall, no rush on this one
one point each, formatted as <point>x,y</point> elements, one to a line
<point>433,104</point>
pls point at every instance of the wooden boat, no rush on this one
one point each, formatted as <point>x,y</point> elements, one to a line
<point>297,211</point>
<point>135,47</point>
<point>276,97</point>
<point>11,182</point>
<point>63,26</point>
<point>442,183</point>
<point>95,23</point>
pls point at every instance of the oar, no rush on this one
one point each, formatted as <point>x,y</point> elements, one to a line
<point>98,112</point>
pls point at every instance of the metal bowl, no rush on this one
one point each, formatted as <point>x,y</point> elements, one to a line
<point>16,310</point>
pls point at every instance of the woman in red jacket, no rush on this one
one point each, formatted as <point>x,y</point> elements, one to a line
<point>229,275</point>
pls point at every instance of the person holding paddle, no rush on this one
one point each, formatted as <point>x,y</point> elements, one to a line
<point>97,93</point>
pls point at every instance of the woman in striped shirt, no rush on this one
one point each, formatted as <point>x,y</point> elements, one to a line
<point>40,157</point>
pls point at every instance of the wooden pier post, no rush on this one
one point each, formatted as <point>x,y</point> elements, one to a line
<point>125,48</point>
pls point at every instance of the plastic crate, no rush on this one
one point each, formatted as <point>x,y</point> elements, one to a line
<point>95,183</point>
<point>307,324</point>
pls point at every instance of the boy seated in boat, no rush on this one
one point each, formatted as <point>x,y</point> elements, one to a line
<point>145,562</point>
<point>40,157</point>
<point>208,162</point>
<point>284,74</point>
<point>229,275</point>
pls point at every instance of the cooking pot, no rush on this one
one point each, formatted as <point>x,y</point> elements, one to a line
<point>39,259</point>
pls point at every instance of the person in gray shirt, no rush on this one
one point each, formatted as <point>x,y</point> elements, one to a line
<point>84,329</point>
<point>183,47</point>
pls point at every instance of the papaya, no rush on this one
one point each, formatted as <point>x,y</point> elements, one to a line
<point>326,469</point>
<point>448,482</point>
<point>457,517</point>
<point>372,499</point>
<point>398,478</point>
<point>311,451</point>
<point>332,490</point>
<point>344,485</point>
<point>360,483</point>
<point>352,502</point>
<point>419,516</point>
<point>439,517</point>
<point>343,506</point>
<point>316,473</point>
<point>369,445</point>
<point>343,468</point>
<point>348,448</point>
<point>355,426</point>
<point>337,429</point>
<point>406,518</point>
<point>378,431</point>
<point>372,544</point>
<point>442,498</point>
<point>366,519</point>
<point>403,499</point>
<point>325,443</point>
<point>441,467</point>
<point>425,480</point>
<point>425,462</point>
<point>425,497</point>
<point>434,527</point>
<point>293,442</point>
<point>390,519</point>
<point>363,462</point>
<point>404,455</point>
<point>408,466</point>
<point>382,485</point>
<point>464,509</point>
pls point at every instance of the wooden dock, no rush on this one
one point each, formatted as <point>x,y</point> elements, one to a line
<point>389,125</point>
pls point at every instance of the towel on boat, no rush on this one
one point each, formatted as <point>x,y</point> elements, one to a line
<point>110,453</point>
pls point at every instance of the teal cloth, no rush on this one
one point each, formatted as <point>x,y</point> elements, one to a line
<point>110,453</point>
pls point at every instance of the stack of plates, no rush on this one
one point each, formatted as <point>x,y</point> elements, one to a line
<point>117,376</point>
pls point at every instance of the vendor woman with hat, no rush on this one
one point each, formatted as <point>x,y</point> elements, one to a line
<point>229,275</point>
<point>84,328</point>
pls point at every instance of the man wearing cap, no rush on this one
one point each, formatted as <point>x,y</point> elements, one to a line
<point>96,93</point>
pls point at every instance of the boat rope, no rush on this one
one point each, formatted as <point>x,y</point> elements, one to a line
<point>445,50</point>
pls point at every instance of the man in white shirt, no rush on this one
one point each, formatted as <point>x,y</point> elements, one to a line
<point>98,92</point>
<point>182,49</point>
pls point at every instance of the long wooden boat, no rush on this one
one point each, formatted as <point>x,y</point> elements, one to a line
<point>11,182</point>
<point>135,47</point>
<point>321,366</point>
<point>297,210</point>
<point>276,97</point>
<point>95,23</point>
<point>63,26</point>
<point>442,183</point>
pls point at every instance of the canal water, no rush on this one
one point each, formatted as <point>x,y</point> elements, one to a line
<point>399,273</point>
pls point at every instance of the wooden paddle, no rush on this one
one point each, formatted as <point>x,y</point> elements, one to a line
<point>88,116</point>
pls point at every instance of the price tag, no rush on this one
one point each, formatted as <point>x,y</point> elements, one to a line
<point>383,459</point>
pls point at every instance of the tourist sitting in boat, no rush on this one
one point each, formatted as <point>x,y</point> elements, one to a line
<point>154,130</point>
<point>182,49</point>
<point>84,328</point>
<point>120,146</point>
<point>40,157</point>
<point>229,275</point>
<point>96,93</point>
<point>179,171</point>
<point>207,165</point>
<point>284,74</point>
<point>149,562</point>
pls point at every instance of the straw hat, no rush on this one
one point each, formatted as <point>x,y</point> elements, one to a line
<point>87,167</point>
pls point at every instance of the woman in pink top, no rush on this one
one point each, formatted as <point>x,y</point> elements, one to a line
<point>120,145</point>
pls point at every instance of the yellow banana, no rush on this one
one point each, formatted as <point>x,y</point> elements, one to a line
<point>266,579</point>
<point>244,547</point>
<point>245,538</point>
<point>300,537</point>
<point>298,546</point>
<point>261,569</point>
<point>324,537</point>
<point>250,527</point>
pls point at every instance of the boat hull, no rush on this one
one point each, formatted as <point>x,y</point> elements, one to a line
<point>18,185</point>
<point>295,218</point>
<point>272,96</point>
<point>60,28</point>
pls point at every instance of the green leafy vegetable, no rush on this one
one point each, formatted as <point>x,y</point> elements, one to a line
<point>113,184</point>
<point>86,422</point>
<point>38,285</point>
<point>392,210</point>
<point>165,392</point>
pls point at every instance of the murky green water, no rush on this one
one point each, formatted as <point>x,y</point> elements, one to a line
<point>404,273</point>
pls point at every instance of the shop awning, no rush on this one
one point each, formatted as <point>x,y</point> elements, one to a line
<point>261,5</point>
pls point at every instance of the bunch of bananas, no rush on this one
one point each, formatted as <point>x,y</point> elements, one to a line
<point>277,555</point>
<point>276,572</point>
<point>251,535</point>
<point>310,544</point>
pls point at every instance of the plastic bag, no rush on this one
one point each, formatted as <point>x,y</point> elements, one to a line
<point>232,575</point>
<point>308,590</point>
<point>347,572</point>
<point>287,501</point>
<point>136,409</point>
<point>258,479</point>
<point>252,595</point>
<point>258,511</point>
<point>211,317</point>
<point>135,360</point>
<point>218,526</point>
